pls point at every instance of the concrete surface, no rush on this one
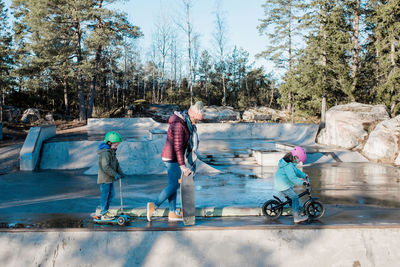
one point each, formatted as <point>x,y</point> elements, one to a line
<point>27,195</point>
<point>135,157</point>
<point>30,151</point>
<point>9,158</point>
<point>366,246</point>
<point>128,127</point>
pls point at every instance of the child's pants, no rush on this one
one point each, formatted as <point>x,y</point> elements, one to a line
<point>295,200</point>
<point>170,192</point>
<point>106,195</point>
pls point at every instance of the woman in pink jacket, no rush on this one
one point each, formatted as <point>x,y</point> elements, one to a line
<point>180,146</point>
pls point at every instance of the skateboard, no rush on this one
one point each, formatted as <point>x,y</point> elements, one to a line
<point>187,199</point>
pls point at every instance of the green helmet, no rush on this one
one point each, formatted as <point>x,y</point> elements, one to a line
<point>113,137</point>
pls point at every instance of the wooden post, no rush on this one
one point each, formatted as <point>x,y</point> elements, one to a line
<point>323,113</point>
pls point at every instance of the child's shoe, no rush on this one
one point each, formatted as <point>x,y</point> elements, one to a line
<point>150,210</point>
<point>298,218</point>
<point>174,216</point>
<point>107,217</point>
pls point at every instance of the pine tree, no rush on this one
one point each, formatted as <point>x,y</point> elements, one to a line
<point>281,15</point>
<point>5,56</point>
<point>323,67</point>
<point>386,20</point>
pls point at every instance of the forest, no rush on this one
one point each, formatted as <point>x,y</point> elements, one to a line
<point>81,58</point>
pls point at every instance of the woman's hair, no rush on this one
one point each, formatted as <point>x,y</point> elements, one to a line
<point>288,157</point>
<point>197,107</point>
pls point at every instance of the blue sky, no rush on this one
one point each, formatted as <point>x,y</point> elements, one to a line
<point>242,19</point>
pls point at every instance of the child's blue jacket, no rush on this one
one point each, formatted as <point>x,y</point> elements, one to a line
<point>287,176</point>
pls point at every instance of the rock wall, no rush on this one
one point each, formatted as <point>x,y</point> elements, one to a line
<point>365,128</point>
<point>348,125</point>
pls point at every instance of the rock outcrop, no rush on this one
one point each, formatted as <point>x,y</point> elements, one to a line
<point>30,115</point>
<point>263,114</point>
<point>220,113</point>
<point>383,142</point>
<point>348,125</point>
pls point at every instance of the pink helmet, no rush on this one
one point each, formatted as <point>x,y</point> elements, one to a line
<point>299,152</point>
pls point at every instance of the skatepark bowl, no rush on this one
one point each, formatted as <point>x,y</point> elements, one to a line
<point>44,215</point>
<point>64,198</point>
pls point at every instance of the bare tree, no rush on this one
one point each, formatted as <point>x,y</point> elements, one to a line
<point>195,55</point>
<point>163,37</point>
<point>221,40</point>
<point>188,29</point>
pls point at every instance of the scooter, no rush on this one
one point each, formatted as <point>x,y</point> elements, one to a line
<point>121,219</point>
<point>313,208</point>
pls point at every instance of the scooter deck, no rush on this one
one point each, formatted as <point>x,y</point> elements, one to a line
<point>97,219</point>
<point>187,200</point>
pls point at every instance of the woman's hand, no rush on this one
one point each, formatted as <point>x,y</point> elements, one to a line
<point>185,170</point>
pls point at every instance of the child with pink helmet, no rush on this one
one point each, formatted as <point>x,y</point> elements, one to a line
<point>288,175</point>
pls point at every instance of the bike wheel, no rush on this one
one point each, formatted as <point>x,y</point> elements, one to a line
<point>269,209</point>
<point>314,209</point>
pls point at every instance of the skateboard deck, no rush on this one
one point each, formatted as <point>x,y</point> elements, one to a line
<point>187,199</point>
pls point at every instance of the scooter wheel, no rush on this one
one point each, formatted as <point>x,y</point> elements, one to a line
<point>269,209</point>
<point>121,221</point>
<point>314,210</point>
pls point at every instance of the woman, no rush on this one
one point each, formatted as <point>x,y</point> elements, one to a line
<point>181,145</point>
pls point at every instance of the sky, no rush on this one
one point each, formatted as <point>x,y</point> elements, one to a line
<point>242,18</point>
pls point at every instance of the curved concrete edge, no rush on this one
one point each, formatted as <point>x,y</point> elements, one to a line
<point>295,133</point>
<point>203,247</point>
<point>30,151</point>
<point>200,212</point>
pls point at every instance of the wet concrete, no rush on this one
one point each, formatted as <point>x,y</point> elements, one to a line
<point>361,193</point>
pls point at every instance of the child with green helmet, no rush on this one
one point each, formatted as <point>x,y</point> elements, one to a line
<point>109,171</point>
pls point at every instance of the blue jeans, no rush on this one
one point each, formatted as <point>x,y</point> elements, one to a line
<point>295,200</point>
<point>174,173</point>
<point>106,195</point>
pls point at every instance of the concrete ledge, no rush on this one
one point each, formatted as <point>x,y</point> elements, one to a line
<point>30,151</point>
<point>304,134</point>
<point>200,212</point>
<point>203,247</point>
<point>137,128</point>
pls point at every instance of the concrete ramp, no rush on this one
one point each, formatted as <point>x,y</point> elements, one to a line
<point>135,157</point>
<point>303,134</point>
<point>137,128</point>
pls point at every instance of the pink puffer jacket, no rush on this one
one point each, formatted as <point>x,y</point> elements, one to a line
<point>177,140</point>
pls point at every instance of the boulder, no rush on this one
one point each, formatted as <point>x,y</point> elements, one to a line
<point>30,115</point>
<point>383,142</point>
<point>11,114</point>
<point>161,112</point>
<point>220,113</point>
<point>49,117</point>
<point>348,125</point>
<point>262,114</point>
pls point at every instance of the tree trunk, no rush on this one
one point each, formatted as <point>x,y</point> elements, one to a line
<point>81,93</point>
<point>154,86</point>
<point>289,107</point>
<point>1,104</point>
<point>223,88</point>
<point>66,103</point>
<point>190,56</point>
<point>356,49</point>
